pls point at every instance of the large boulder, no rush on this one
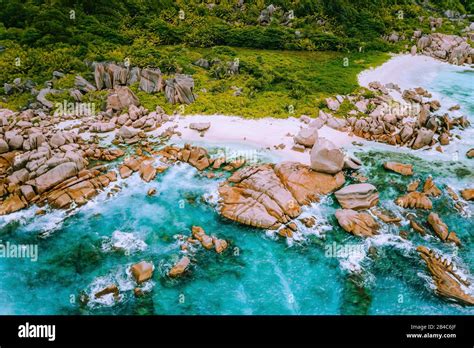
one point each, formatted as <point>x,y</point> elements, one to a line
<point>332,104</point>
<point>468,194</point>
<point>83,85</point>
<point>120,98</point>
<point>180,267</point>
<point>13,203</point>
<point>14,140</point>
<point>305,184</point>
<point>180,89</point>
<point>55,176</point>
<point>268,196</point>
<point>3,146</point>
<point>151,80</point>
<point>200,126</point>
<point>306,137</point>
<point>127,132</point>
<point>424,138</point>
<point>102,127</point>
<point>326,157</point>
<point>357,196</point>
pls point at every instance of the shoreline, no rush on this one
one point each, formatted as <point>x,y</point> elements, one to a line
<point>264,134</point>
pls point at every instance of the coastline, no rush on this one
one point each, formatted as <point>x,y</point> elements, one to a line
<point>265,134</point>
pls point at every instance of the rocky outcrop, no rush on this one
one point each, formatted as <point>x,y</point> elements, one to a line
<point>121,98</point>
<point>208,242</point>
<point>357,223</point>
<point>79,189</point>
<point>417,200</point>
<point>151,80</point>
<point>451,48</point>
<point>400,168</point>
<point>441,229</point>
<point>448,282</point>
<point>111,75</point>
<point>268,196</point>
<point>326,157</point>
<point>307,185</point>
<point>180,90</point>
<point>55,176</point>
<point>357,196</point>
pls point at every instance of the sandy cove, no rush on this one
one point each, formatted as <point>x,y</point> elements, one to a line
<point>265,134</point>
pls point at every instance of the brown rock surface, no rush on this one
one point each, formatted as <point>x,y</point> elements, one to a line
<point>357,196</point>
<point>448,283</point>
<point>468,194</point>
<point>142,271</point>
<point>430,189</point>
<point>359,224</point>
<point>416,200</point>
<point>268,196</point>
<point>400,168</point>
<point>180,267</point>
<point>441,229</point>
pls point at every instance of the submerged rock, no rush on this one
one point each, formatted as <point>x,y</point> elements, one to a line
<point>400,168</point>
<point>110,289</point>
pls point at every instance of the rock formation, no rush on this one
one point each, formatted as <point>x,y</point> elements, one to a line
<point>400,168</point>
<point>268,196</point>
<point>326,157</point>
<point>417,200</point>
<point>358,223</point>
<point>441,229</point>
<point>449,284</point>
<point>357,196</point>
<point>180,89</point>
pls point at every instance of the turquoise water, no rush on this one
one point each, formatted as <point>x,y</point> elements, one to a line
<point>259,273</point>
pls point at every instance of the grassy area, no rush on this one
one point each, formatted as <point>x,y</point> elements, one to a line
<point>274,83</point>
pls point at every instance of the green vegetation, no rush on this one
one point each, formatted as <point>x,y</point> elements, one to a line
<point>281,64</point>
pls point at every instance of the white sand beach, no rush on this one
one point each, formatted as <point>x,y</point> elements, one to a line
<point>266,133</point>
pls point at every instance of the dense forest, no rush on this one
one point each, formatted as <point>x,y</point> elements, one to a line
<point>46,35</point>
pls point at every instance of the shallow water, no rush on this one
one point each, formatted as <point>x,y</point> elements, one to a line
<point>259,273</point>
